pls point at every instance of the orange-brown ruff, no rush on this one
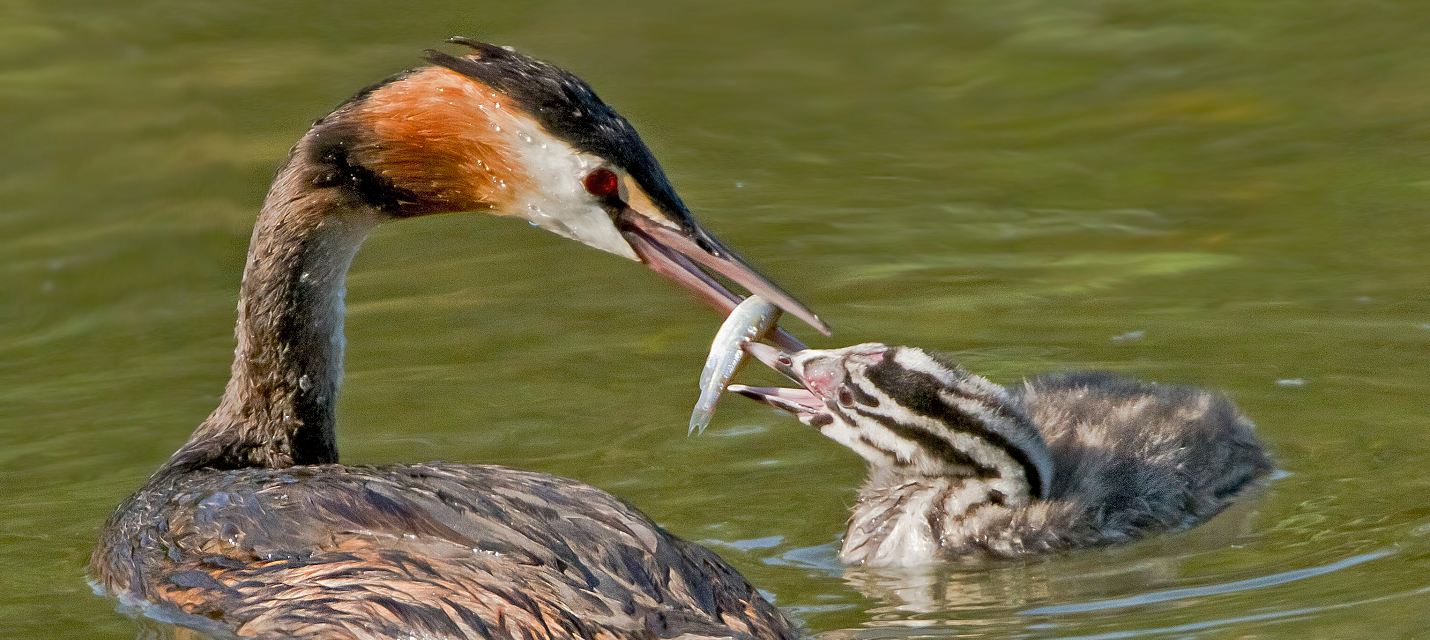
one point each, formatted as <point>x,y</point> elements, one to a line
<point>252,528</point>
<point>429,143</point>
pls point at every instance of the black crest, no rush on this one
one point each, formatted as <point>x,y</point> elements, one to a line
<point>569,109</point>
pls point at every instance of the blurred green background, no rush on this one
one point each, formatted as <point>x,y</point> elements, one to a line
<point>1219,192</point>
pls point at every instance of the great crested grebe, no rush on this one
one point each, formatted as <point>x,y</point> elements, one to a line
<point>961,466</point>
<point>252,528</point>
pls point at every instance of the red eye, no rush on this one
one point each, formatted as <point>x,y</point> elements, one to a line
<point>602,183</point>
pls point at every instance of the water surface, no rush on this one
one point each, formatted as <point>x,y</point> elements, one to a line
<point>1216,192</point>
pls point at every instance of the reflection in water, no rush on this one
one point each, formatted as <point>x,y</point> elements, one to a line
<point>958,592</point>
<point>952,598</point>
<point>1018,594</point>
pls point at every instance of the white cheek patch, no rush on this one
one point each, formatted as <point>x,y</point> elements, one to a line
<point>557,200</point>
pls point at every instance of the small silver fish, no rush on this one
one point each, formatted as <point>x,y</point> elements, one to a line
<point>750,321</point>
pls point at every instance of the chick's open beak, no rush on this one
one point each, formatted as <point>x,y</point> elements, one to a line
<point>675,253</point>
<point>802,402</point>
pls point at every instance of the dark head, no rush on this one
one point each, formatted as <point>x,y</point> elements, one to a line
<point>504,133</point>
<point>911,413</point>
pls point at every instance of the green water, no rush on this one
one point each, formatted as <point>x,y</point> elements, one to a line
<point>1220,192</point>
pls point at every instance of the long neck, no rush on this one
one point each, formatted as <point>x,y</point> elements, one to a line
<point>949,453</point>
<point>278,407</point>
<point>907,520</point>
<point>903,520</point>
<point>927,417</point>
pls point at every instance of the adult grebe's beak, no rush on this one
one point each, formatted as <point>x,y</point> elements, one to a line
<point>674,252</point>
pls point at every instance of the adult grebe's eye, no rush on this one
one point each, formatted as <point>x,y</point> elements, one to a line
<point>784,360</point>
<point>602,183</point>
<point>846,399</point>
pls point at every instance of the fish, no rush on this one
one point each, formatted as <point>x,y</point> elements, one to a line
<point>750,321</point>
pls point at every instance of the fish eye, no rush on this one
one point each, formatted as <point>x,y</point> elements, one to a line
<point>602,183</point>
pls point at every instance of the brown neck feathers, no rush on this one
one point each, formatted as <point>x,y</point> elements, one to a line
<point>278,407</point>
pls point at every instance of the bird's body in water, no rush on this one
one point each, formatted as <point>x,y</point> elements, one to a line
<point>252,528</point>
<point>961,466</point>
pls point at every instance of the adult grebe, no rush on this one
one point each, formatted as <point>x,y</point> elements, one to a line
<point>961,466</point>
<point>252,528</point>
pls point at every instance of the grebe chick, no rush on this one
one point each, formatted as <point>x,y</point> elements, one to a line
<point>252,528</point>
<point>961,466</point>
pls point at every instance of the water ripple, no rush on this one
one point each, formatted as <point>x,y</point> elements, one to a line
<point>1209,590</point>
